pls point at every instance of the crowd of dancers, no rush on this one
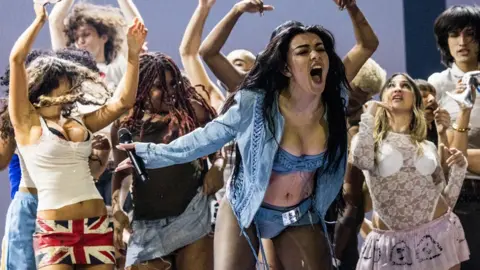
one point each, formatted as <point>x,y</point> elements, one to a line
<point>273,166</point>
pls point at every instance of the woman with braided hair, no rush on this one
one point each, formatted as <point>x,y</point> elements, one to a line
<point>71,227</point>
<point>171,217</point>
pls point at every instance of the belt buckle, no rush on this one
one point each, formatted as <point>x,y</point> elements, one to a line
<point>291,216</point>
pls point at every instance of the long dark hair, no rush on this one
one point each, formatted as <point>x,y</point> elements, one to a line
<point>267,77</point>
<point>181,118</point>
<point>456,18</point>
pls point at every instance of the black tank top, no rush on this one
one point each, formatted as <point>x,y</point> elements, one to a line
<point>169,190</point>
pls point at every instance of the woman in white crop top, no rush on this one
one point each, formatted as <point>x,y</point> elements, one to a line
<point>414,227</point>
<point>56,148</point>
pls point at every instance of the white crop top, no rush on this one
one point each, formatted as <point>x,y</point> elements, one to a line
<point>59,169</point>
<point>404,185</point>
<point>25,180</point>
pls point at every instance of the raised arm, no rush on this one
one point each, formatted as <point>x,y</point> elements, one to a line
<point>130,11</point>
<point>189,52</point>
<point>19,106</point>
<point>102,117</point>
<point>457,164</point>
<point>362,145</point>
<point>366,42</point>
<point>211,46</point>
<point>57,24</point>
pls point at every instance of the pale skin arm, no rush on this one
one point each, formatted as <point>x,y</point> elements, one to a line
<point>473,160</point>
<point>130,10</point>
<point>366,43</point>
<point>189,52</point>
<point>102,117</point>
<point>213,43</point>
<point>22,113</point>
<point>56,24</point>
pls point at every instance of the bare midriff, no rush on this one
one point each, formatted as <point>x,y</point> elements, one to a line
<point>289,189</point>
<point>28,190</point>
<point>80,210</point>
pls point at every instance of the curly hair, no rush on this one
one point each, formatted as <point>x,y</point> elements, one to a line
<point>106,20</point>
<point>181,118</point>
<point>44,74</point>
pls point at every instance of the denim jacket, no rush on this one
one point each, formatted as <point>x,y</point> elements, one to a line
<point>245,124</point>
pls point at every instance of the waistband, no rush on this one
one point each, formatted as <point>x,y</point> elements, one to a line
<point>25,195</point>
<point>275,213</point>
<point>444,217</point>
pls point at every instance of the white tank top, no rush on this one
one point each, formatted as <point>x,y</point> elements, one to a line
<point>25,180</point>
<point>59,169</point>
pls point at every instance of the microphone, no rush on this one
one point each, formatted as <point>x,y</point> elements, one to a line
<point>124,136</point>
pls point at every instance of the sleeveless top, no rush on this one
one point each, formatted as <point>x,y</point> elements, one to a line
<point>59,169</point>
<point>169,190</point>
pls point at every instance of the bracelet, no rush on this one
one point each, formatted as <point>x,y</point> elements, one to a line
<point>456,128</point>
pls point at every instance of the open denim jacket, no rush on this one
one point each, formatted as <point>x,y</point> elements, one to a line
<point>245,124</point>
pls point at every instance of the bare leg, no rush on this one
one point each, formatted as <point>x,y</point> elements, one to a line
<point>303,247</point>
<point>97,267</point>
<point>456,267</point>
<point>231,249</point>
<point>157,264</point>
<point>198,254</point>
<point>272,258</point>
<point>57,267</point>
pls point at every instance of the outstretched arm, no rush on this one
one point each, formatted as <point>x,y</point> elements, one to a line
<point>102,117</point>
<point>19,106</point>
<point>57,24</point>
<point>189,52</point>
<point>366,42</point>
<point>211,46</point>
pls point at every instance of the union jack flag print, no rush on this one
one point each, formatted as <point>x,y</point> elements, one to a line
<point>87,241</point>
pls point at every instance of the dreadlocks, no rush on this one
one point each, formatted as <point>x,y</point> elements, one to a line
<point>177,97</point>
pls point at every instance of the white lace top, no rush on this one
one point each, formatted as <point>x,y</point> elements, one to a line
<point>405,184</point>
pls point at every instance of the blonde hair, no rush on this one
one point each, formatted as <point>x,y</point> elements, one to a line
<point>418,124</point>
<point>370,78</point>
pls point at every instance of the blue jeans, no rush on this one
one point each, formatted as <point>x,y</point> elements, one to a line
<point>19,229</point>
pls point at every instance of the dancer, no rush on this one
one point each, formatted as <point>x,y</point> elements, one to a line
<point>412,202</point>
<point>171,209</point>
<point>458,40</point>
<point>20,223</point>
<point>45,89</point>
<point>295,91</point>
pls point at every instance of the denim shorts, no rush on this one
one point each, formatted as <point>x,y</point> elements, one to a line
<point>153,239</point>
<point>19,229</point>
<point>270,220</point>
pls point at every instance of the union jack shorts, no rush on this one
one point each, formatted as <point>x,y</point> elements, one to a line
<point>83,241</point>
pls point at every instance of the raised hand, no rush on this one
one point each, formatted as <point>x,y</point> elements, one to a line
<point>206,3</point>
<point>136,36</point>
<point>40,11</point>
<point>442,120</point>
<point>344,3</point>
<point>253,6</point>
<point>453,156</point>
<point>373,105</point>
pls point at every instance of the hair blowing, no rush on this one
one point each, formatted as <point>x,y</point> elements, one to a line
<point>178,98</point>
<point>43,76</point>
<point>267,77</point>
